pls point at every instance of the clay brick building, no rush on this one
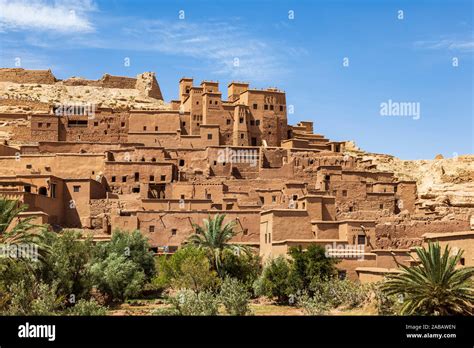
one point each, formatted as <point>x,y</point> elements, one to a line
<point>162,170</point>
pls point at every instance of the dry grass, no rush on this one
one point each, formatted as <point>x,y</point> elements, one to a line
<point>259,308</point>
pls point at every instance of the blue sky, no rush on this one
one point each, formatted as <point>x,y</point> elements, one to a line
<point>403,60</point>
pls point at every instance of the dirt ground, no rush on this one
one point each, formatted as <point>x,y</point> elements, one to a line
<point>258,307</point>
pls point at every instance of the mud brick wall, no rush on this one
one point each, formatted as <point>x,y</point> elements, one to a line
<point>410,234</point>
<point>19,75</point>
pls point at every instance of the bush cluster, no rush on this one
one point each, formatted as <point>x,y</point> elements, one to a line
<point>72,268</point>
<point>339,293</point>
<point>283,278</point>
<point>233,297</point>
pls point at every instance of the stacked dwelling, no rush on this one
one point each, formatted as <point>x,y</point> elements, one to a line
<point>162,170</point>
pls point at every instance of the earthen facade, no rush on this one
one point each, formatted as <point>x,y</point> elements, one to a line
<point>161,171</point>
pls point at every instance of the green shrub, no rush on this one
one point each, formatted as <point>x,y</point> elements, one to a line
<point>151,291</point>
<point>275,280</point>
<point>166,311</point>
<point>235,297</point>
<point>196,274</point>
<point>244,267</point>
<point>87,308</point>
<point>68,263</point>
<point>338,292</point>
<point>187,302</point>
<point>312,305</point>
<point>188,268</point>
<point>118,277</point>
<point>308,265</point>
<point>333,293</point>
<point>13,273</point>
<point>36,299</point>
<point>47,302</point>
<point>133,246</point>
<point>386,304</point>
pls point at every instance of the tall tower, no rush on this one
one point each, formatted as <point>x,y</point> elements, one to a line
<point>241,131</point>
<point>234,89</point>
<point>185,85</point>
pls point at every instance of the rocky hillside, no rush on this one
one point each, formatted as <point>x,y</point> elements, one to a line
<point>16,95</point>
<point>445,185</point>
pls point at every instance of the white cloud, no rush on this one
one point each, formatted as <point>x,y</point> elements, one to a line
<point>450,44</point>
<point>219,44</point>
<point>60,16</point>
<point>215,45</point>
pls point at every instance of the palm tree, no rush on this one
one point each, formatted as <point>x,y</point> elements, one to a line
<point>214,239</point>
<point>435,286</point>
<point>15,231</point>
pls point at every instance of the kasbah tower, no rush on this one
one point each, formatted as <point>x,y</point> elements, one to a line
<point>107,154</point>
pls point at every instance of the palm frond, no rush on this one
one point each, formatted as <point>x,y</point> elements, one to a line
<point>436,285</point>
<point>215,238</point>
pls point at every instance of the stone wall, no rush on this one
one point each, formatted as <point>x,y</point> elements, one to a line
<point>106,81</point>
<point>20,75</point>
<point>147,85</point>
<point>404,235</point>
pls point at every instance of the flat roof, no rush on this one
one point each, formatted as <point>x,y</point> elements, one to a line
<point>315,196</point>
<point>23,213</point>
<point>86,142</point>
<point>32,155</point>
<point>238,83</point>
<point>282,210</point>
<point>154,133</point>
<point>177,199</point>
<point>31,176</point>
<point>245,243</point>
<point>343,221</point>
<point>391,250</point>
<point>447,234</point>
<point>212,93</point>
<point>377,270</point>
<point>157,163</point>
<point>250,90</point>
<point>18,183</point>
<point>193,210</point>
<point>342,241</point>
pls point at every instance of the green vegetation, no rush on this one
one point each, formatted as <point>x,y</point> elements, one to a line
<point>18,231</point>
<point>214,239</point>
<point>133,246</point>
<point>435,286</point>
<point>118,277</point>
<point>68,263</point>
<point>275,280</point>
<point>188,268</point>
<point>334,293</point>
<point>87,308</point>
<point>284,278</point>
<point>187,302</point>
<point>235,297</point>
<point>13,229</point>
<point>244,267</point>
<point>309,267</point>
<point>33,299</point>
